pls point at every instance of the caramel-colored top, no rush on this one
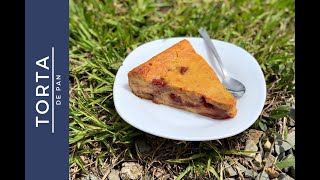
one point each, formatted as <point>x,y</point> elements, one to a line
<point>182,67</point>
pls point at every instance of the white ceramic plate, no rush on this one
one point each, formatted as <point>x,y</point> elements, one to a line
<point>172,123</point>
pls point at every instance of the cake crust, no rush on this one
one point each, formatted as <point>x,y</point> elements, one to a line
<point>181,78</point>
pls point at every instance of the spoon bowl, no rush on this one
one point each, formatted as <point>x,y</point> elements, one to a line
<point>235,87</point>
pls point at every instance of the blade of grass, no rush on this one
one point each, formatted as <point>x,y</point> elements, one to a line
<point>211,169</point>
<point>286,163</point>
<point>185,160</point>
<point>185,172</point>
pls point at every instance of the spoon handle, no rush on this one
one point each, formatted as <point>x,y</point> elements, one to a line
<point>208,41</point>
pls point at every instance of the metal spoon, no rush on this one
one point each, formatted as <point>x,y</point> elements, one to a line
<point>235,87</point>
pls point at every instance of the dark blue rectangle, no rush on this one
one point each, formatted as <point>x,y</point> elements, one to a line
<point>46,40</point>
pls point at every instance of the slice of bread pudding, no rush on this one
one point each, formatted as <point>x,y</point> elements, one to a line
<point>179,77</point>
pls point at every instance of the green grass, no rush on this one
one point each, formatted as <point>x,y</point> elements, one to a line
<point>104,32</point>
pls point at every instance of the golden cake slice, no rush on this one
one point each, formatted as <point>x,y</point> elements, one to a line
<point>181,78</point>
